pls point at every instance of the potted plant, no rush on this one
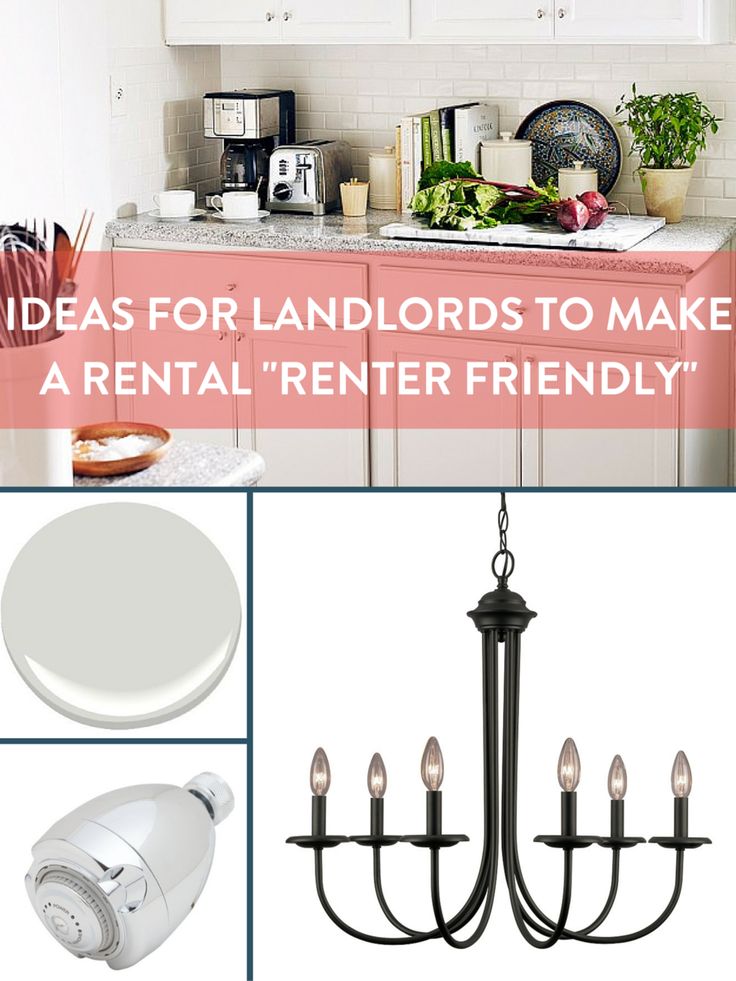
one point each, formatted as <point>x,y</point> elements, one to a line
<point>667,132</point>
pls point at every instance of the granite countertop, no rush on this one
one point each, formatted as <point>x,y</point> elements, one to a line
<point>696,238</point>
<point>191,465</point>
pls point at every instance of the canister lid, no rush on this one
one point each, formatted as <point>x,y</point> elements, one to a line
<point>387,151</point>
<point>506,140</point>
<point>578,167</point>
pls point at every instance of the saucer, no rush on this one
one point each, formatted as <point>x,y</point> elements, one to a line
<point>197,213</point>
<point>259,217</point>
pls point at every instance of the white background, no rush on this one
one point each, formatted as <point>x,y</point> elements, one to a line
<point>222,517</point>
<point>43,783</point>
<point>362,644</point>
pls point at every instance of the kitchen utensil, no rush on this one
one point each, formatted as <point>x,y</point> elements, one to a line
<point>259,216</point>
<point>382,178</point>
<point>564,131</point>
<point>175,204</point>
<point>28,269</point>
<point>575,180</point>
<point>114,468</point>
<point>306,177</point>
<point>354,198</point>
<point>80,241</point>
<point>141,615</point>
<point>506,161</point>
<point>617,234</point>
<point>236,204</point>
<point>62,256</point>
<point>115,877</point>
<point>193,216</point>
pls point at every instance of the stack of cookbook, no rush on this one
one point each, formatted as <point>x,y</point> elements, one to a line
<point>451,133</point>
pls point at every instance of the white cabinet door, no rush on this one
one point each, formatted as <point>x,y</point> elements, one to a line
<point>642,457</point>
<point>335,20</point>
<point>482,20</point>
<point>221,21</point>
<point>404,455</point>
<point>630,20</point>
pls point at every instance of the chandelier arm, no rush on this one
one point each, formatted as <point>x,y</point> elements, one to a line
<point>486,881</point>
<point>508,806</point>
<point>569,934</point>
<point>513,874</point>
<point>513,670</point>
<point>380,896</point>
<point>437,906</point>
<point>345,927</point>
<point>655,924</point>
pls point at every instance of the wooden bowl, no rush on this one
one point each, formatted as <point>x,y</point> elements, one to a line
<point>116,468</point>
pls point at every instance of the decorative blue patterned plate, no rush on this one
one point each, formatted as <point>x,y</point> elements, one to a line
<point>564,131</point>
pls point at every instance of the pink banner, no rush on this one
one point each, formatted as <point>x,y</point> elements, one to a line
<point>487,339</point>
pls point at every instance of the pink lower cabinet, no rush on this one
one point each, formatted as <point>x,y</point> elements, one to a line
<point>331,453</point>
<point>405,453</point>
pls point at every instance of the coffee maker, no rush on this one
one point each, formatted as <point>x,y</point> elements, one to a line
<point>252,123</point>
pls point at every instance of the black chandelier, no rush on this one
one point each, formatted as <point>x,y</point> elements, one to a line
<point>501,616</point>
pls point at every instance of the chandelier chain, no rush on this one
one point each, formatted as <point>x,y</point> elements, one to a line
<point>503,552</point>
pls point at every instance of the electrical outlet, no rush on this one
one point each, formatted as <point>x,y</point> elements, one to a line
<point>118,96</point>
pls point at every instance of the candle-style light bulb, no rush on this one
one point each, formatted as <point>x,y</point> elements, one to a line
<point>319,774</point>
<point>682,776</point>
<point>617,779</point>
<point>377,779</point>
<point>568,766</point>
<point>433,766</point>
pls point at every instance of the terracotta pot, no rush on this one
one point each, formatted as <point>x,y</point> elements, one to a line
<point>665,191</point>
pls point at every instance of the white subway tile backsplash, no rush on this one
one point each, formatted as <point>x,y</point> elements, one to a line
<point>159,143</point>
<point>413,78</point>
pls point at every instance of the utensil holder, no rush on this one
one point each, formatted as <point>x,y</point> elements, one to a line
<point>39,457</point>
<point>354,197</point>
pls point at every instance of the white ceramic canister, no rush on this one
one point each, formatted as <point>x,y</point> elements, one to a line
<point>382,178</point>
<point>575,180</point>
<point>506,160</point>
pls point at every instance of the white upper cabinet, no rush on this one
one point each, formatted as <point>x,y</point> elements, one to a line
<point>221,21</point>
<point>435,21</point>
<point>634,20</point>
<point>325,20</point>
<point>289,21</point>
<point>570,20</point>
<point>482,20</point>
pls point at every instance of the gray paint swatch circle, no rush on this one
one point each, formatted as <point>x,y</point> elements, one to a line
<point>121,615</point>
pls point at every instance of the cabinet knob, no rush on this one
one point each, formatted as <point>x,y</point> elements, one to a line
<point>562,13</point>
<point>221,335</point>
<point>287,15</point>
<point>231,287</point>
<point>239,336</point>
<point>541,12</point>
<point>269,16</point>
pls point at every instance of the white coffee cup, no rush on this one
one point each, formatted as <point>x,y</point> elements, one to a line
<point>236,204</point>
<point>175,204</point>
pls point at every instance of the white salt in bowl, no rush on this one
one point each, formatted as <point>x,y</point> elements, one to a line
<point>98,432</point>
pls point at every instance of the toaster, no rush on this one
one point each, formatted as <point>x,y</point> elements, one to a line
<point>306,177</point>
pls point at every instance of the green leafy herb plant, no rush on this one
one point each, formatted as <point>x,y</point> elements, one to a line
<point>668,131</point>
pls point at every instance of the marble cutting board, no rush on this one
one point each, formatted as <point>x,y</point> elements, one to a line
<point>617,234</point>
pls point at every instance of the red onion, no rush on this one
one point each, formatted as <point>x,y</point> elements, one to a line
<point>572,215</point>
<point>596,205</point>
